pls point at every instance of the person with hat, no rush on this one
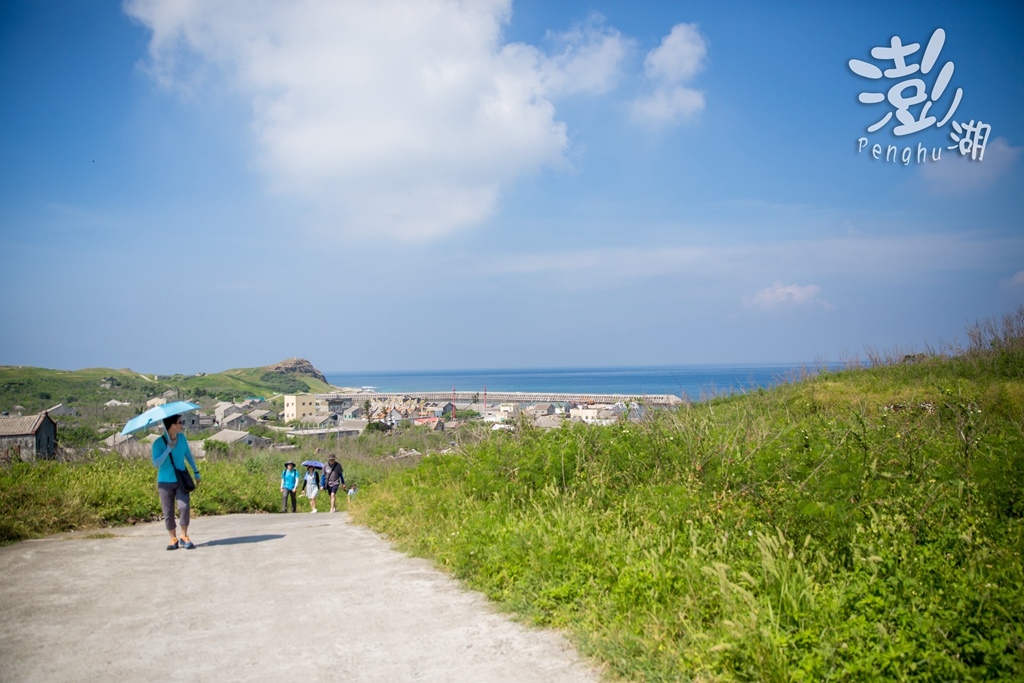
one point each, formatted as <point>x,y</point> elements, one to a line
<point>334,478</point>
<point>289,484</point>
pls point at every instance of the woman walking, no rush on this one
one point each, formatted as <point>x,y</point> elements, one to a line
<point>312,486</point>
<point>170,453</point>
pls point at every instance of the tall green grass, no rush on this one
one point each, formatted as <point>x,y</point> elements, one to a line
<point>860,525</point>
<point>855,526</point>
<point>48,497</point>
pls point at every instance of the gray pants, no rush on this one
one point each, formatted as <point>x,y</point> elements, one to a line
<point>169,492</point>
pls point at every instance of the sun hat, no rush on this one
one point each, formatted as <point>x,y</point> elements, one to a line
<point>289,463</point>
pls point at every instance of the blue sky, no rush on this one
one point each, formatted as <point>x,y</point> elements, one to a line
<point>197,186</point>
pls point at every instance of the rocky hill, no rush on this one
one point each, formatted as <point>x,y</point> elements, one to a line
<point>297,366</point>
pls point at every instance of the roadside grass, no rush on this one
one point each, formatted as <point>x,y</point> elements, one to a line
<point>107,490</point>
<point>858,525</point>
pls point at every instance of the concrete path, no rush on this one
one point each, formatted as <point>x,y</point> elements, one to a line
<point>296,597</point>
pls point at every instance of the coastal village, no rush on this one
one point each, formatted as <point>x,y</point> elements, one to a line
<point>341,414</point>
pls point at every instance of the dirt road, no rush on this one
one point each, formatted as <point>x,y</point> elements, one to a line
<point>296,597</point>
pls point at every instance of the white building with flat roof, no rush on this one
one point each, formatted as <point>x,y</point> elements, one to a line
<point>299,406</point>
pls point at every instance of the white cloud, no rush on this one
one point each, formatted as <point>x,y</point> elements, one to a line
<point>850,258</point>
<point>779,295</point>
<point>669,105</point>
<point>669,66</point>
<point>1016,281</point>
<point>400,119</point>
<point>589,62</point>
<point>870,256</point>
<point>679,57</point>
<point>954,174</point>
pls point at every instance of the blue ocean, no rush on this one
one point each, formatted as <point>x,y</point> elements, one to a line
<point>694,382</point>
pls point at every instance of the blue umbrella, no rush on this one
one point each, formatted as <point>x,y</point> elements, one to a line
<point>313,463</point>
<point>156,414</point>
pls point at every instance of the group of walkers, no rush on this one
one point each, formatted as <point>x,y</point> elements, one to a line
<point>175,485</point>
<point>332,480</point>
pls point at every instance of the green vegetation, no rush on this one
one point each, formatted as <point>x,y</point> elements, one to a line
<point>49,497</point>
<point>241,383</point>
<point>37,389</point>
<point>284,384</point>
<point>108,490</point>
<point>857,526</point>
<point>854,526</point>
<point>87,392</point>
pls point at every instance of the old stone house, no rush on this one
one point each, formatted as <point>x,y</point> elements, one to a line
<point>236,421</point>
<point>28,438</point>
<point>230,436</point>
<point>224,410</point>
<point>61,410</point>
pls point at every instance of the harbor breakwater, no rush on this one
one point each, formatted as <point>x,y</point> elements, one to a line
<point>464,397</point>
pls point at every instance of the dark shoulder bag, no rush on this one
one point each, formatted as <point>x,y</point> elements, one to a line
<point>184,478</point>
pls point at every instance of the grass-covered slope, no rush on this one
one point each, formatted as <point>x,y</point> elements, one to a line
<point>254,382</point>
<point>857,526</point>
<point>36,389</point>
<point>99,490</point>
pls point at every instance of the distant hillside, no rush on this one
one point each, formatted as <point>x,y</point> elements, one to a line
<point>292,376</point>
<point>30,390</point>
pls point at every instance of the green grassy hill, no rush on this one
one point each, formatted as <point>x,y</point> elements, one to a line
<point>36,389</point>
<point>263,382</point>
<point>859,525</point>
<point>856,526</point>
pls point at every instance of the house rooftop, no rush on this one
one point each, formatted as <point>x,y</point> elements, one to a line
<point>20,426</point>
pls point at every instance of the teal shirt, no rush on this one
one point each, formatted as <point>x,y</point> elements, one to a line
<point>162,459</point>
<point>289,479</point>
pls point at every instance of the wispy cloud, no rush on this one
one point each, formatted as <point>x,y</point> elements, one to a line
<point>669,67</point>
<point>589,59</point>
<point>610,264</point>
<point>860,256</point>
<point>954,174</point>
<point>1016,281</point>
<point>398,119</point>
<point>779,296</point>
